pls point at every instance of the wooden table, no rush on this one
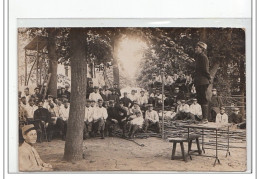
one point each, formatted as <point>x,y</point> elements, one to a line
<point>211,126</point>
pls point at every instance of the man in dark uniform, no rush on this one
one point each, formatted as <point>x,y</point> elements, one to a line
<point>117,90</point>
<point>113,96</point>
<point>41,117</point>
<point>236,118</point>
<point>126,101</point>
<point>202,78</point>
<point>215,105</point>
<point>66,92</point>
<point>37,94</point>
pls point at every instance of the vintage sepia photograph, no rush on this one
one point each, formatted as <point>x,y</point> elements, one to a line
<point>132,99</point>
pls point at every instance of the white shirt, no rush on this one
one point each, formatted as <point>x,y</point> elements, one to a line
<point>133,97</point>
<point>134,109</point>
<point>183,108</point>
<point>169,80</point>
<point>222,119</point>
<point>95,96</point>
<point>100,113</point>
<point>138,121</point>
<point>89,112</point>
<point>142,99</point>
<point>195,109</point>
<point>27,98</point>
<point>64,113</point>
<point>30,110</point>
<point>169,115</point>
<point>152,116</point>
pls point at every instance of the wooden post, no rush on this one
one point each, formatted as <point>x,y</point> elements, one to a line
<point>162,73</point>
<point>25,63</point>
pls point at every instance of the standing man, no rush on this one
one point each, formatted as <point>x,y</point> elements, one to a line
<point>67,92</point>
<point>202,78</point>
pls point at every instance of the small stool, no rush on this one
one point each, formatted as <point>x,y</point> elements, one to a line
<point>190,140</point>
<point>175,141</point>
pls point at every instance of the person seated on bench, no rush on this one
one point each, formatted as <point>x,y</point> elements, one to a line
<point>236,118</point>
<point>136,123</point>
<point>222,117</point>
<point>29,159</point>
<point>152,118</point>
<point>183,111</point>
<point>195,110</point>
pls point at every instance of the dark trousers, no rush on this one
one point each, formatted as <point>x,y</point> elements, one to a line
<point>133,129</point>
<point>201,94</point>
<point>195,117</point>
<point>148,124</point>
<point>62,127</point>
<point>87,131</point>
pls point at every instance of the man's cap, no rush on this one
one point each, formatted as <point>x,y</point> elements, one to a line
<point>125,92</point>
<point>65,96</point>
<point>59,87</point>
<point>36,88</point>
<point>26,88</point>
<point>92,100</point>
<point>65,100</point>
<point>115,83</point>
<point>112,89</point>
<point>202,45</point>
<point>214,89</point>
<point>133,90</point>
<point>88,100</point>
<point>100,100</point>
<point>23,97</point>
<point>149,105</point>
<point>27,128</point>
<point>194,99</point>
<point>135,102</point>
<point>50,96</point>
<point>67,86</point>
<point>62,87</point>
<point>176,88</point>
<point>222,108</point>
<point>95,87</point>
<point>141,91</point>
<point>172,107</point>
<point>136,111</point>
<point>235,109</point>
<point>183,101</point>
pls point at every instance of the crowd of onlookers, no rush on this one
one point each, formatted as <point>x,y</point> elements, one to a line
<point>108,109</point>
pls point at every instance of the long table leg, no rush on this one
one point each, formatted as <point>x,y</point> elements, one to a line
<point>202,147</point>
<point>228,152</point>
<point>217,159</point>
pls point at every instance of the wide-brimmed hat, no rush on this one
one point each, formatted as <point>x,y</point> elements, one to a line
<point>202,45</point>
<point>27,128</point>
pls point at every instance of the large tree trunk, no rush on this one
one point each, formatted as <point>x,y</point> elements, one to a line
<point>115,72</point>
<point>53,63</point>
<point>74,138</point>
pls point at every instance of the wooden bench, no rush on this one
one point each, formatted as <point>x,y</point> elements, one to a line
<point>190,138</point>
<point>175,141</point>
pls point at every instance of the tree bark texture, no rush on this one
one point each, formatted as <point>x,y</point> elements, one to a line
<point>74,138</point>
<point>53,62</point>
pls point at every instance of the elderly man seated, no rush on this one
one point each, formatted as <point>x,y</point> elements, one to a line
<point>152,118</point>
<point>29,159</point>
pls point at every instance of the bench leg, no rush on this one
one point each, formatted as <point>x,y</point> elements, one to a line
<point>173,150</point>
<point>198,146</point>
<point>182,151</point>
<point>189,148</point>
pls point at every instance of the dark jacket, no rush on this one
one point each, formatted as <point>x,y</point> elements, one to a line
<point>126,101</point>
<point>114,97</point>
<point>202,75</point>
<point>42,114</point>
<point>116,112</point>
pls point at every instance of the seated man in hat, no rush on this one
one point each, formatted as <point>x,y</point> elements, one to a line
<point>95,95</point>
<point>37,94</point>
<point>126,101</point>
<point>195,110</point>
<point>100,115</point>
<point>222,117</point>
<point>29,159</point>
<point>183,111</point>
<point>168,82</point>
<point>134,107</point>
<point>88,120</point>
<point>23,102</point>
<point>142,100</point>
<point>113,96</point>
<point>177,95</point>
<point>41,117</point>
<point>158,98</point>
<point>236,118</point>
<point>115,115</point>
<point>30,108</point>
<point>136,123</point>
<point>64,111</point>
<point>117,90</point>
<point>215,105</point>
<point>152,118</point>
<point>133,97</point>
<point>169,115</point>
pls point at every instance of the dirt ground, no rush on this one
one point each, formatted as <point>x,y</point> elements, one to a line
<point>116,154</point>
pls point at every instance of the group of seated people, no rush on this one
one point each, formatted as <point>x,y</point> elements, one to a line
<point>105,109</point>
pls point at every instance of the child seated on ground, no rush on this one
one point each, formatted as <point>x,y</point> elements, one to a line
<point>222,117</point>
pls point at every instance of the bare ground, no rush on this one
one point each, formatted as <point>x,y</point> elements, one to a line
<point>116,154</point>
